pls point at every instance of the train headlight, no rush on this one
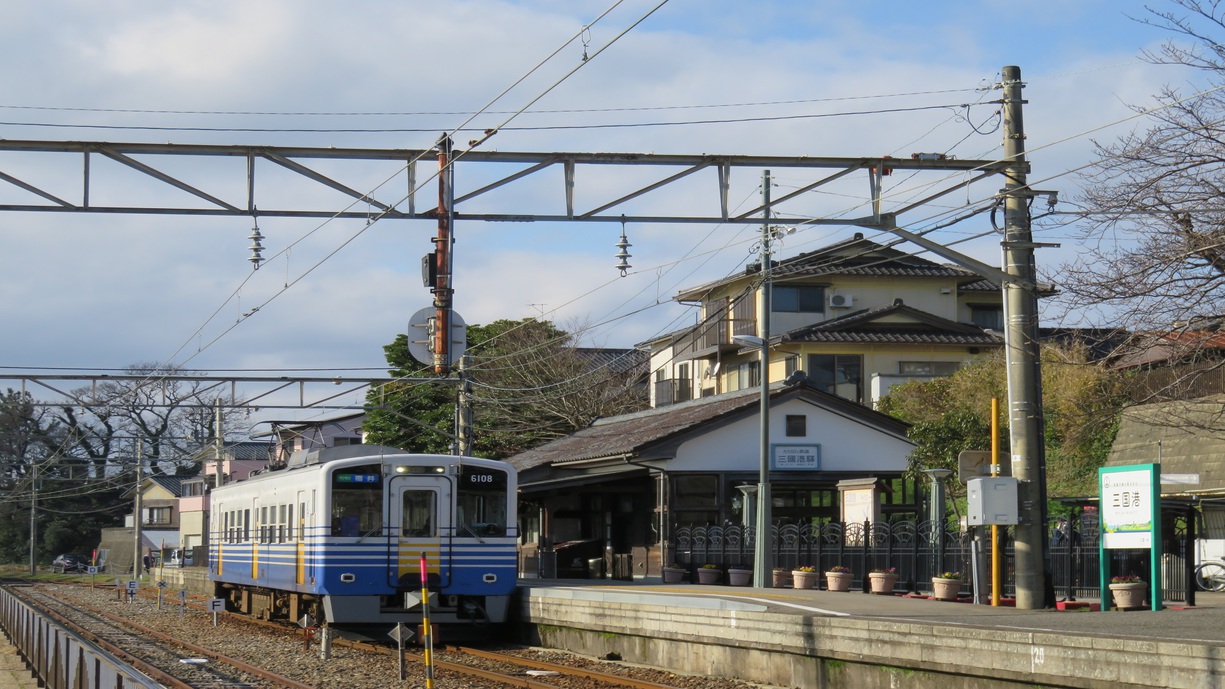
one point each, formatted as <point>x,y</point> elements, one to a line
<point>401,469</point>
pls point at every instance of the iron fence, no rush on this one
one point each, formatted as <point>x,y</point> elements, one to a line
<point>920,550</point>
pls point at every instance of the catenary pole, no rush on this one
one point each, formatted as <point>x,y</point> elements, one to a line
<point>1021,348</point>
<point>762,545</point>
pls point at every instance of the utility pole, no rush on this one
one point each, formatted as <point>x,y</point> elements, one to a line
<point>1023,359</point>
<point>136,560</point>
<point>762,576</point>
<point>463,408</point>
<point>218,442</point>
<point>33,519</point>
<point>443,260</point>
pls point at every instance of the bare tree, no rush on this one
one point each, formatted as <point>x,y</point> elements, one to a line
<point>171,419</point>
<point>1152,224</point>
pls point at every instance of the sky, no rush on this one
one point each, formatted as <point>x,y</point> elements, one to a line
<point>87,292</point>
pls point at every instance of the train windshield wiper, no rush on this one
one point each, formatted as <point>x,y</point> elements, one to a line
<point>465,527</point>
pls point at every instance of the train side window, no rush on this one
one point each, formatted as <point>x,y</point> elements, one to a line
<point>420,506</point>
<point>289,524</point>
<point>357,501</point>
<point>246,526</point>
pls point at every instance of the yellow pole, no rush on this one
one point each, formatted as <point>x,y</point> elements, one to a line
<point>995,530</point>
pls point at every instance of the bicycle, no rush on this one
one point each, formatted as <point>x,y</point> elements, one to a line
<point>1210,576</point>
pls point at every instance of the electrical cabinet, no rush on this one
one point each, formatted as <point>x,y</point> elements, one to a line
<point>992,500</point>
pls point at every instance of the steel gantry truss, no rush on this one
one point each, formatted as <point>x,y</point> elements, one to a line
<point>72,191</point>
<point>235,392</point>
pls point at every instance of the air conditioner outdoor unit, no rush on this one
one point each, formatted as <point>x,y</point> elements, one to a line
<point>841,301</point>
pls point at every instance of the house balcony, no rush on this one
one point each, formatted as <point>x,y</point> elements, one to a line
<point>672,391</point>
<point>713,339</point>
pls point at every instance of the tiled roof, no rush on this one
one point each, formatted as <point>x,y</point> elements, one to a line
<point>635,434</point>
<point>867,327</point>
<point>856,256</point>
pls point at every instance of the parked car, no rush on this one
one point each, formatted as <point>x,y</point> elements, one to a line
<point>69,563</point>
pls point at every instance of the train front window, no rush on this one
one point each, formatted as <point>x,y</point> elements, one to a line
<point>481,507</point>
<point>419,511</point>
<point>357,501</point>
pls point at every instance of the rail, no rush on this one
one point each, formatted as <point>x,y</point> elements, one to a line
<point>60,658</point>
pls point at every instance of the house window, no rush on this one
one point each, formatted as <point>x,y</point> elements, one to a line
<point>797,426</point>
<point>160,515</point>
<point>798,299</point>
<point>746,375</point>
<point>696,499</point>
<point>791,364</point>
<point>928,368</point>
<point>839,374</point>
<point>684,384</point>
<point>988,317</point>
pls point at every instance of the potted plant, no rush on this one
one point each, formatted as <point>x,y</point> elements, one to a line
<point>781,577</point>
<point>1128,591</point>
<point>739,576</point>
<point>804,577</point>
<point>945,585</point>
<point>673,573</point>
<point>838,578</point>
<point>709,573</point>
<point>883,580</point>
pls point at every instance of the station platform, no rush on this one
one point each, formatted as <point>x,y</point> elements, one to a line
<point>814,638</point>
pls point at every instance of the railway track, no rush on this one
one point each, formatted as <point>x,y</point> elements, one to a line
<point>355,665</point>
<point>171,661</point>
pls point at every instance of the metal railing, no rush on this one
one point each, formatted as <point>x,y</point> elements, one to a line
<point>59,658</point>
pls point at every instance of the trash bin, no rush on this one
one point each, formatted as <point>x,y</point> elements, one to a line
<point>595,568</point>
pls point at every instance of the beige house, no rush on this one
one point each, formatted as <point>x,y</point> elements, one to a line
<point>856,317</point>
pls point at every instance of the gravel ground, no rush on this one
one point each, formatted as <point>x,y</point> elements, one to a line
<point>283,652</point>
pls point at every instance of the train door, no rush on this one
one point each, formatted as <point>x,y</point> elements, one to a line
<point>420,520</point>
<point>301,534</point>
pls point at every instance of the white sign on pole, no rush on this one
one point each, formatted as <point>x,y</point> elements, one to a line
<point>216,605</point>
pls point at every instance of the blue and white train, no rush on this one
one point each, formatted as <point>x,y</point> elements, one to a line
<point>339,534</point>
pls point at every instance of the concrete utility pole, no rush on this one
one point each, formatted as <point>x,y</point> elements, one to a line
<point>1021,348</point>
<point>140,477</point>
<point>218,443</point>
<point>761,553</point>
<point>463,409</point>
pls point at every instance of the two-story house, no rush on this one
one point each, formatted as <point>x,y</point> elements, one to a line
<point>857,317</point>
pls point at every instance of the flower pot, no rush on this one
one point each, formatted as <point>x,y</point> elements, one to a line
<point>1129,596</point>
<point>945,589</point>
<point>740,577</point>
<point>781,579</point>
<point>838,581</point>
<point>673,575</point>
<point>882,582</point>
<point>803,580</point>
<point>707,575</point>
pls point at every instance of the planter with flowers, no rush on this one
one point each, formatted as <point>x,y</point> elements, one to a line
<point>709,574</point>
<point>883,580</point>
<point>838,578</point>
<point>804,577</point>
<point>1129,592</point>
<point>946,585</point>
<point>673,574</point>
<point>740,576</point>
<point>780,578</point>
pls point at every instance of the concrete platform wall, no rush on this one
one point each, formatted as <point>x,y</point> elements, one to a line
<point>802,650</point>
